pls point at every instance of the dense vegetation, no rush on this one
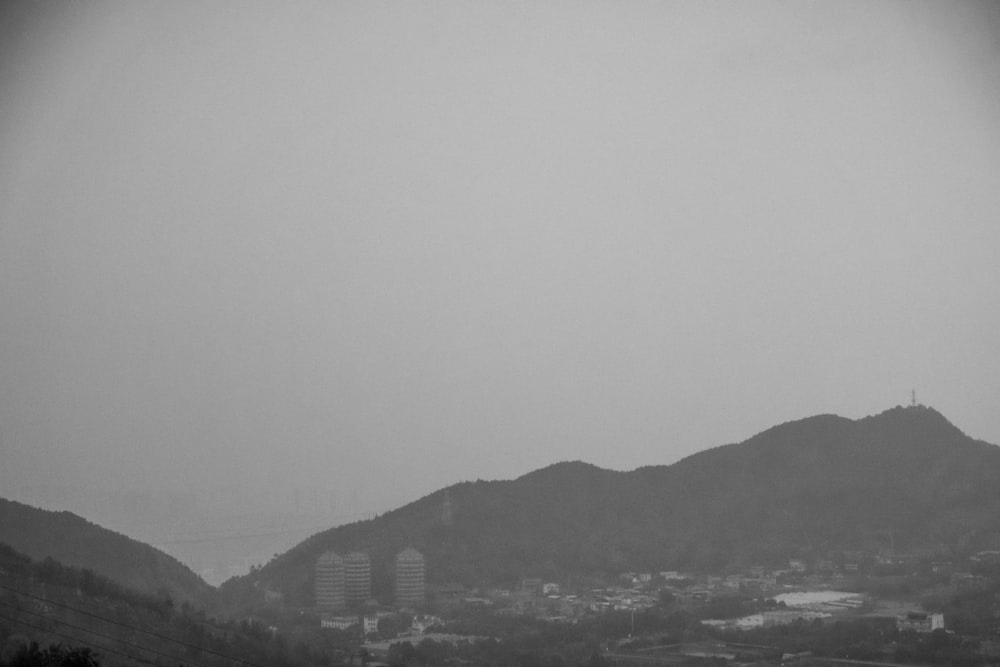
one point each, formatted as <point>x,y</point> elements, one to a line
<point>903,480</point>
<point>74,541</point>
<point>81,615</point>
<point>56,655</point>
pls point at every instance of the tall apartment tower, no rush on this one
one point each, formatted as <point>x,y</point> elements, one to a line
<point>409,577</point>
<point>357,577</point>
<point>330,591</point>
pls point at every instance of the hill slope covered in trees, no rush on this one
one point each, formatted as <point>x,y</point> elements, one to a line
<point>81,615</point>
<point>74,541</point>
<point>905,479</point>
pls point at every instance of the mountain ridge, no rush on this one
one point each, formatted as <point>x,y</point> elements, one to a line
<point>811,485</point>
<point>75,541</point>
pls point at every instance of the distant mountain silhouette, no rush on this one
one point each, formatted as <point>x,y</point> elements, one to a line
<point>905,479</point>
<point>74,541</point>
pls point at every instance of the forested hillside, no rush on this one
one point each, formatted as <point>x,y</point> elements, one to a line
<point>48,603</point>
<point>906,479</point>
<point>75,541</point>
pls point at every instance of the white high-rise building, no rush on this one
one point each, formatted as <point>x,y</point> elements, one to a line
<point>357,578</point>
<point>330,588</point>
<point>409,577</point>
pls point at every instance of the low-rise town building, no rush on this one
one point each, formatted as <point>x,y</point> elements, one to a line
<point>338,622</point>
<point>916,621</point>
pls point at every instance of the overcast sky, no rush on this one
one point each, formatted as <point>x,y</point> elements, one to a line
<point>382,248</point>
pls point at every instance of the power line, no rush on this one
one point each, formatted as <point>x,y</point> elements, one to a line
<point>74,639</point>
<point>93,632</point>
<point>126,625</point>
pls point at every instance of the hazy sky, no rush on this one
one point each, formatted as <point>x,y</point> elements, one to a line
<point>379,248</point>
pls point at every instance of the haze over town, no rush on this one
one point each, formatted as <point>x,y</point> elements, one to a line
<point>264,269</point>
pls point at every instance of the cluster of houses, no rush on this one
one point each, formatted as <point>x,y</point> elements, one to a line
<point>368,623</point>
<point>637,591</point>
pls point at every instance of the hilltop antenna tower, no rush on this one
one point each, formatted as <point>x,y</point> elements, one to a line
<point>445,512</point>
<point>913,398</point>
